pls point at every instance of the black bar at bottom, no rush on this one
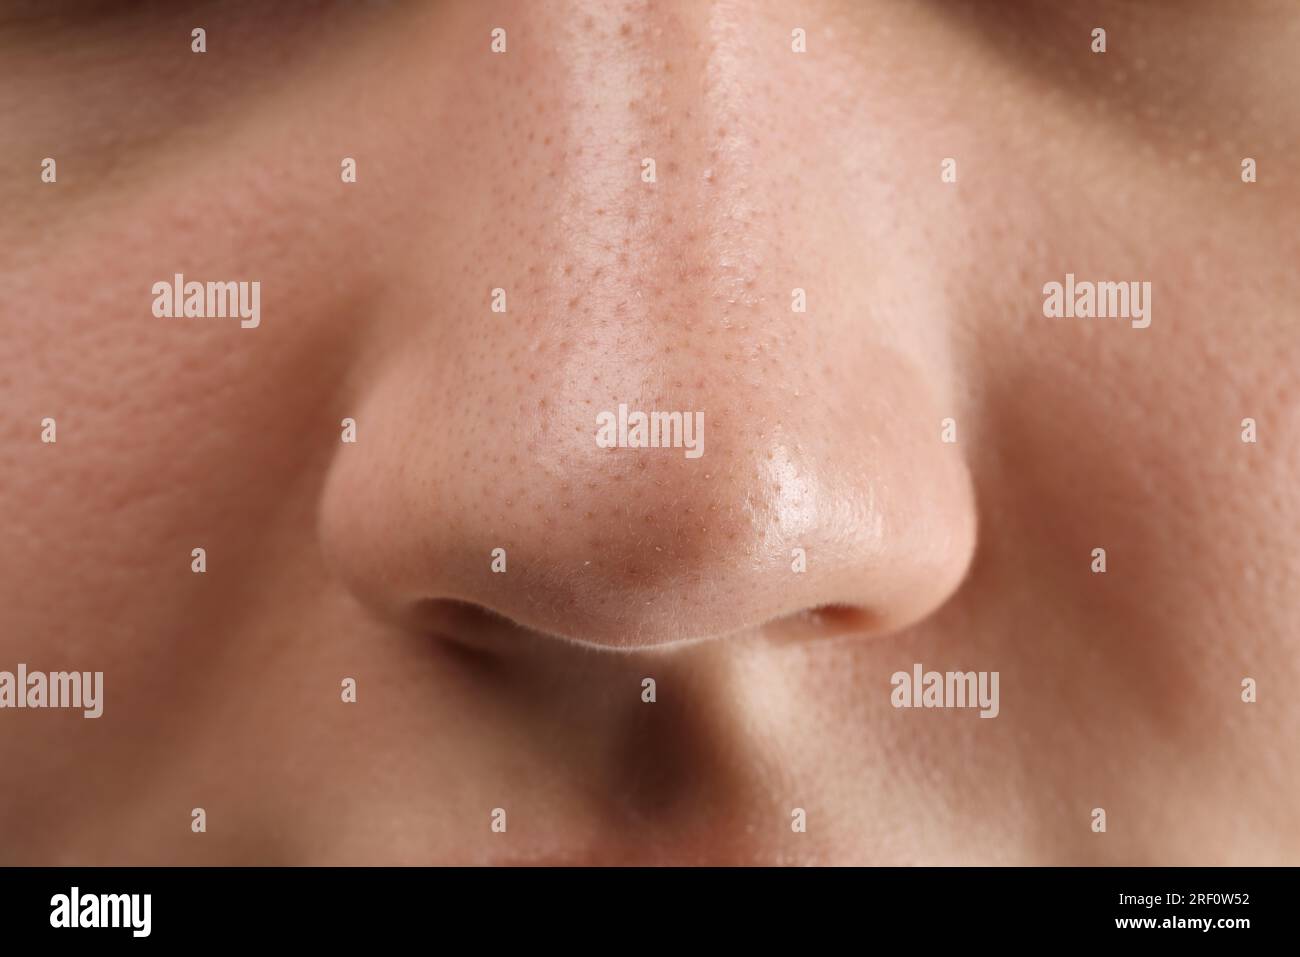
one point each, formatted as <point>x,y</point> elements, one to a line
<point>334,907</point>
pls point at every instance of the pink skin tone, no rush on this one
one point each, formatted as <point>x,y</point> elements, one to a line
<point>475,431</point>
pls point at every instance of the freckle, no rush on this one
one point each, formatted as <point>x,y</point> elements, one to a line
<point>547,141</point>
<point>624,30</point>
<point>573,302</point>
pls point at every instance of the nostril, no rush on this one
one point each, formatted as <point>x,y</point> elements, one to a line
<point>822,621</point>
<point>454,618</point>
<point>471,625</point>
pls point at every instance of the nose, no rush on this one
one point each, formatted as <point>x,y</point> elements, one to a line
<point>653,442</point>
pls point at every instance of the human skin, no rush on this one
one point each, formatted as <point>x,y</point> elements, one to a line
<point>522,690</point>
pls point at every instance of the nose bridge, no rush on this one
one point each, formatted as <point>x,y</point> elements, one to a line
<point>667,279</point>
<point>657,183</point>
<point>651,274</point>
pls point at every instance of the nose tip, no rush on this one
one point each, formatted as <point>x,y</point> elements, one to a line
<point>802,524</point>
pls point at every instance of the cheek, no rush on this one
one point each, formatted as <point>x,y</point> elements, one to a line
<point>177,433</point>
<point>171,432</point>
